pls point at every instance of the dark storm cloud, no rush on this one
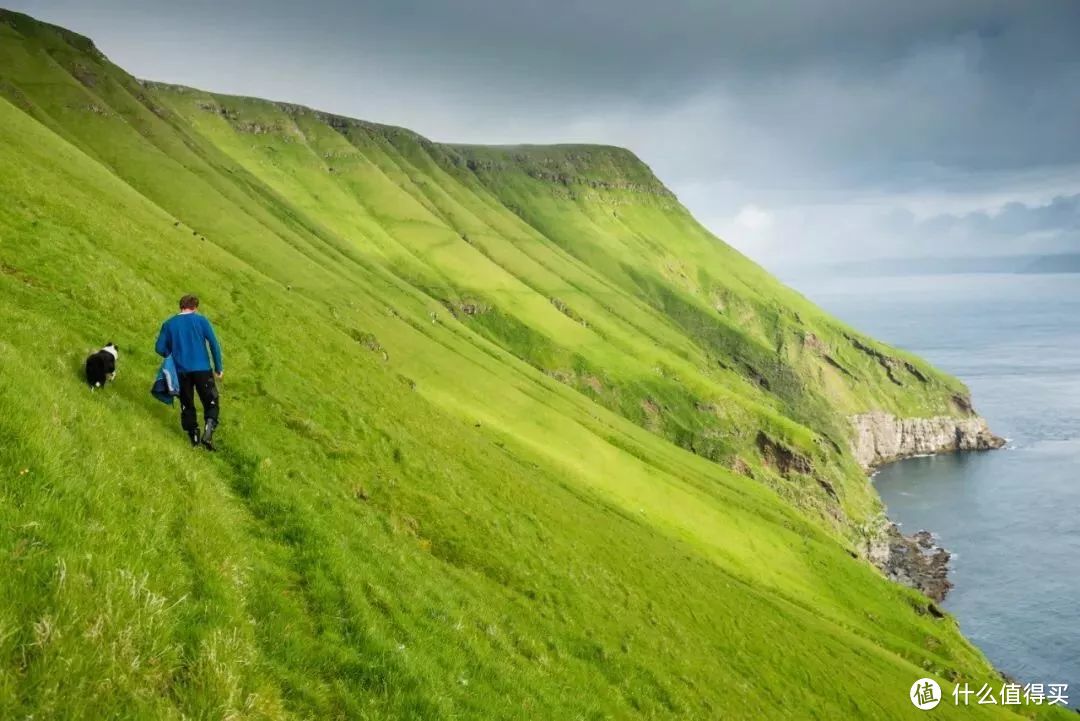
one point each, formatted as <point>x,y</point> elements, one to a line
<point>749,110</point>
<point>979,85</point>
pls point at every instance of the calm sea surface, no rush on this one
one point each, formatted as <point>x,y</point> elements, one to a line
<point>1011,517</point>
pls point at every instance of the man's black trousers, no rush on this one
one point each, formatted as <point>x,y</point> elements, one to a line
<point>201,382</point>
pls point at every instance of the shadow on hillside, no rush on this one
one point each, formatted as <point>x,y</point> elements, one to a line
<point>77,365</point>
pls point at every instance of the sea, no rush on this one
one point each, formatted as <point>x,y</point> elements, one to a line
<point>1011,518</point>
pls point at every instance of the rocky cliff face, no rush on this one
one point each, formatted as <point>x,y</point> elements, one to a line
<point>882,437</point>
<point>916,561</point>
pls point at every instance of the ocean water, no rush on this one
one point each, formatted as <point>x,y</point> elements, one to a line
<point>1011,517</point>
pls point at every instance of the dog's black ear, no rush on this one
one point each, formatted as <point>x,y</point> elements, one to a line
<point>111,343</point>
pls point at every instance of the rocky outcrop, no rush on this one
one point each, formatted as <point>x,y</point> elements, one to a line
<point>882,437</point>
<point>916,561</point>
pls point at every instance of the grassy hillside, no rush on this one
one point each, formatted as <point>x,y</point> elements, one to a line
<point>506,433</point>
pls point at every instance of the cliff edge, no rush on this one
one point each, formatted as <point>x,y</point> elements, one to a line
<point>882,437</point>
<point>879,438</point>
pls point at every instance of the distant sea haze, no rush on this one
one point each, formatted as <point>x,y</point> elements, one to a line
<point>1040,264</point>
<point>1008,516</point>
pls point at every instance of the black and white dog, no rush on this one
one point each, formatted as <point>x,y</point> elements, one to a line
<point>101,366</point>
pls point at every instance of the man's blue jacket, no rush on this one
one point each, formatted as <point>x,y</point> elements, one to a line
<point>185,337</point>
<point>167,384</point>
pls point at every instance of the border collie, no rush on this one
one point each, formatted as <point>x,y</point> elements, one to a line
<point>101,366</point>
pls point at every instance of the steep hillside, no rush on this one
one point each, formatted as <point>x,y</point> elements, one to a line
<point>506,433</point>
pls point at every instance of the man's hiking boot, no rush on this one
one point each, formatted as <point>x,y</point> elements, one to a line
<point>208,435</point>
<point>195,440</point>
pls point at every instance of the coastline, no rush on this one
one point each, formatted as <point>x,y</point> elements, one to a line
<point>1020,363</point>
<point>881,439</point>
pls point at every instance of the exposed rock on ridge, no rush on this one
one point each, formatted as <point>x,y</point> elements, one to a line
<point>882,437</point>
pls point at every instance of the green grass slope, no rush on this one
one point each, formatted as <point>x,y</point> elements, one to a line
<point>506,433</point>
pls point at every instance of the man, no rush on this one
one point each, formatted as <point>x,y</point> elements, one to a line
<point>185,337</point>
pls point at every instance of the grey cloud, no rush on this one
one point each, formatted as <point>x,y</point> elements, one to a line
<point>799,107</point>
<point>1056,222</point>
<point>1013,229</point>
<point>870,85</point>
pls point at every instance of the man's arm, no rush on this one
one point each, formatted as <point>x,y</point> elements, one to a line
<point>215,347</point>
<point>162,345</point>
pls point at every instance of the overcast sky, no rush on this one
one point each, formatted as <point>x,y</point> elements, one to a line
<point>808,129</point>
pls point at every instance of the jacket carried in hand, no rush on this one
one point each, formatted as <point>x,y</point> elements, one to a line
<point>167,384</point>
